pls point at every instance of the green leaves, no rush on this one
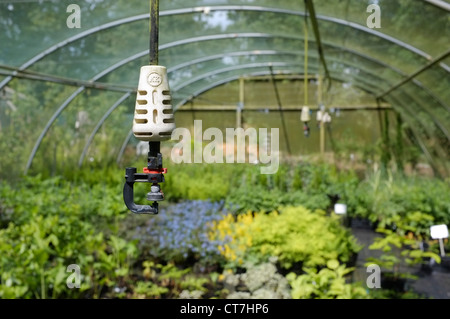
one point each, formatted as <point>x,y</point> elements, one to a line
<point>417,202</point>
<point>327,283</point>
<point>57,225</point>
<point>294,235</point>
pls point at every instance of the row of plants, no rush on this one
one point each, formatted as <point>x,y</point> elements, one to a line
<point>60,223</point>
<point>216,241</point>
<point>195,245</point>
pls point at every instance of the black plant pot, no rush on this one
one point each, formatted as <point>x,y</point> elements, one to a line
<point>391,282</point>
<point>445,262</point>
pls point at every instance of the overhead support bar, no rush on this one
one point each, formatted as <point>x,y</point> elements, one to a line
<point>232,108</point>
<point>416,73</point>
<point>439,3</point>
<point>29,75</point>
<point>260,73</point>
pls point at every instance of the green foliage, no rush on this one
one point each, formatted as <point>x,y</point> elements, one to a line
<point>327,283</point>
<point>55,225</point>
<point>148,289</point>
<point>294,235</point>
<point>298,235</point>
<point>198,181</point>
<point>386,200</point>
<point>261,199</point>
<point>47,224</point>
<point>398,249</point>
<point>167,281</point>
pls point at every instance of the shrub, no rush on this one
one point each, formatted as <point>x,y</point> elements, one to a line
<point>294,235</point>
<point>262,199</point>
<point>327,283</point>
<point>51,224</point>
<point>386,200</point>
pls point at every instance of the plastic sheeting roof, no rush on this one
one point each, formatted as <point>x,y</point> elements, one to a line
<point>48,69</point>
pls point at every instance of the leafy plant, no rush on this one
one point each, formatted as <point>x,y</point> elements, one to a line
<point>294,235</point>
<point>58,225</point>
<point>167,281</point>
<point>261,199</point>
<point>384,200</point>
<point>398,249</point>
<point>327,283</point>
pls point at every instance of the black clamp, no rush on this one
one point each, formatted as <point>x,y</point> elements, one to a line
<point>153,174</point>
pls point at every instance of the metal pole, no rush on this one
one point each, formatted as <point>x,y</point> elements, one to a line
<point>305,102</point>
<point>277,96</point>
<point>241,103</point>
<point>312,13</point>
<point>441,245</point>
<point>322,124</point>
<point>154,55</point>
<point>414,74</point>
<point>154,31</point>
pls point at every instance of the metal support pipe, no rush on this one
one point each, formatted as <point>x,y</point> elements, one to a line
<point>322,124</point>
<point>154,31</point>
<point>277,95</point>
<point>312,13</point>
<point>240,106</point>
<point>305,88</point>
<point>416,73</point>
<point>154,52</point>
<point>37,76</point>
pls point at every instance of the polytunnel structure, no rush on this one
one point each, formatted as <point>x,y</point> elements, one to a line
<point>296,149</point>
<point>68,74</point>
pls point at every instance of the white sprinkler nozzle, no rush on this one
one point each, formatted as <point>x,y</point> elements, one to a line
<point>305,116</point>
<point>319,115</point>
<point>153,114</point>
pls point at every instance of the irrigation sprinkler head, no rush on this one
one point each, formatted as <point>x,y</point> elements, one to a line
<point>305,117</point>
<point>154,174</point>
<point>153,122</point>
<point>153,115</point>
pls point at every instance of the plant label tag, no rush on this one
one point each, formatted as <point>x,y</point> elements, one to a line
<point>439,231</point>
<point>340,209</point>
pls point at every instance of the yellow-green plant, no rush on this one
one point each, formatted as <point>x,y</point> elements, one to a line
<point>327,283</point>
<point>397,248</point>
<point>167,281</point>
<point>294,235</point>
<point>402,244</point>
<point>234,236</point>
